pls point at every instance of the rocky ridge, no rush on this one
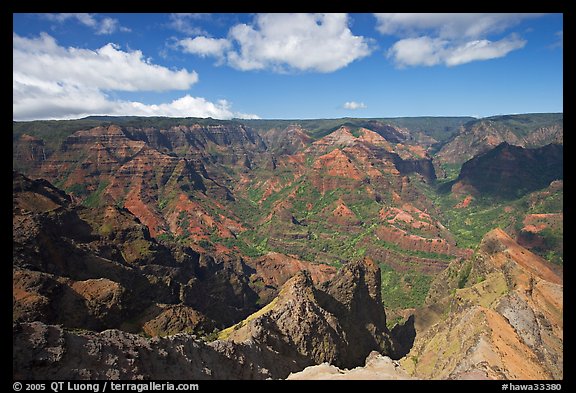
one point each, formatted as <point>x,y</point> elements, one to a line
<point>303,326</point>
<point>498,316</point>
<point>339,322</point>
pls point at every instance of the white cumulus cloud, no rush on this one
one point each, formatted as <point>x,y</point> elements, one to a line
<point>449,39</point>
<point>353,105</point>
<point>287,42</point>
<point>186,106</point>
<point>428,51</point>
<point>418,51</point>
<point>105,68</point>
<point>483,50</point>
<point>55,82</point>
<point>205,46</point>
<point>104,25</point>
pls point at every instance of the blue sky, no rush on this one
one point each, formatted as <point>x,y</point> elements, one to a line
<point>286,66</point>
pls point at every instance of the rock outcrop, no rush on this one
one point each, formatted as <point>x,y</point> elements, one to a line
<point>50,352</point>
<point>274,269</point>
<point>340,322</point>
<point>287,140</point>
<point>28,153</point>
<point>377,367</point>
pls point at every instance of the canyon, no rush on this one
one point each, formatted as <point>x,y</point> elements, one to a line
<point>251,249</point>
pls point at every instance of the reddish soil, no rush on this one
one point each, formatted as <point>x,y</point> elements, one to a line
<point>147,216</point>
<point>537,222</point>
<point>337,164</point>
<point>532,263</point>
<point>340,137</point>
<point>465,203</point>
<point>414,242</point>
<point>275,269</point>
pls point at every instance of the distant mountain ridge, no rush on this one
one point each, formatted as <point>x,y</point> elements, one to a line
<point>511,171</point>
<point>479,136</point>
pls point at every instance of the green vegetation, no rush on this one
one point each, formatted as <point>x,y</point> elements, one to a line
<point>53,132</point>
<point>106,229</point>
<point>209,337</point>
<point>555,257</point>
<point>355,131</point>
<point>451,171</point>
<point>484,213</point>
<point>464,274</point>
<point>248,243</point>
<point>470,224</point>
<point>552,202</point>
<point>206,245</point>
<point>183,222</point>
<point>162,204</point>
<point>255,195</point>
<point>225,334</point>
<point>413,253</point>
<point>95,198</point>
<point>165,237</point>
<point>403,290</point>
<point>77,189</point>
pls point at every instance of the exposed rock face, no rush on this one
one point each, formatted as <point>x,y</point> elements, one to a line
<point>511,171</point>
<point>141,170</point>
<point>182,181</point>
<point>499,316</point>
<point>36,196</point>
<point>476,138</point>
<point>415,242</point>
<point>341,322</point>
<point>369,149</point>
<point>546,135</point>
<point>169,319</point>
<point>288,140</point>
<point>377,367</point>
<point>274,269</point>
<point>390,132</point>
<point>29,153</point>
<point>421,166</point>
<point>232,144</point>
<point>49,352</point>
<point>98,268</point>
<point>355,293</point>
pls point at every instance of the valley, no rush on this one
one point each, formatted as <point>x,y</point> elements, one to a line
<point>270,246</point>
